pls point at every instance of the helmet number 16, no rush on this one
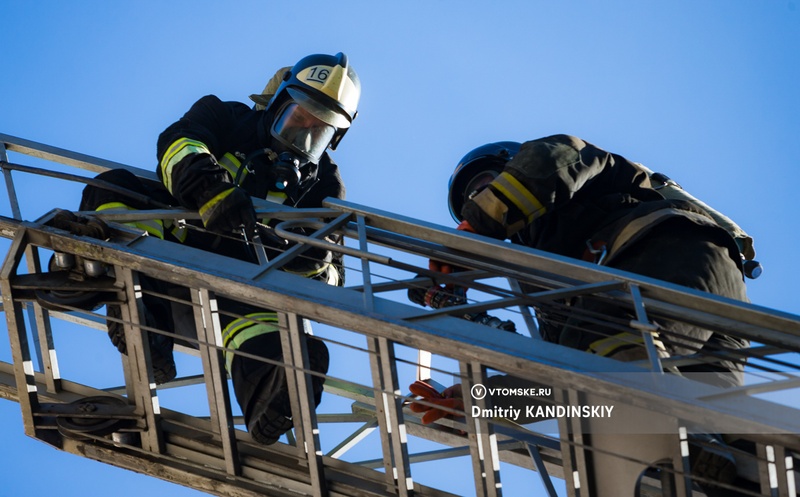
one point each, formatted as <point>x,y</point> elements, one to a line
<point>318,73</point>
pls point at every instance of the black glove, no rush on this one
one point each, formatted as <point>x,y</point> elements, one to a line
<point>417,295</point>
<point>494,322</point>
<point>227,209</point>
<point>316,262</point>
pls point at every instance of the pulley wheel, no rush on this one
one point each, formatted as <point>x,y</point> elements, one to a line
<point>67,300</point>
<point>77,427</point>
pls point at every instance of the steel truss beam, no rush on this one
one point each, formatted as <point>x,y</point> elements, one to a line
<point>210,454</point>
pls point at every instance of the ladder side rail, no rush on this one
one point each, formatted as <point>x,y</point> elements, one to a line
<point>446,336</point>
<point>744,318</point>
<point>505,255</point>
<point>67,157</point>
<point>706,310</point>
<point>381,304</point>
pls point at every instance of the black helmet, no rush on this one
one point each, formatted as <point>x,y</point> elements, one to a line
<point>314,105</point>
<point>475,170</point>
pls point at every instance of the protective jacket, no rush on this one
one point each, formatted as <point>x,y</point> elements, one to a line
<point>566,196</point>
<point>215,146</point>
<point>211,143</point>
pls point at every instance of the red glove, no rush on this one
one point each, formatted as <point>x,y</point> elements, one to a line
<point>439,266</point>
<point>447,295</point>
<point>465,226</point>
<point>443,267</point>
<point>449,399</point>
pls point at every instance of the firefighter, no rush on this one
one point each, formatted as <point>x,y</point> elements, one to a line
<point>213,160</point>
<point>566,196</point>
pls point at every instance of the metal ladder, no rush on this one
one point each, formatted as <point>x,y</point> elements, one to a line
<point>386,343</point>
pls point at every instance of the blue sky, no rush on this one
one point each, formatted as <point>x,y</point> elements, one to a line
<point>704,91</point>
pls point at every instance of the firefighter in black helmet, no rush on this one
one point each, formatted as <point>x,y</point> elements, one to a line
<point>213,160</point>
<point>475,171</point>
<point>563,195</point>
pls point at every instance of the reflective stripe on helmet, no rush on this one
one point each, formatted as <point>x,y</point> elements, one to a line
<point>179,149</point>
<point>245,328</point>
<point>490,157</point>
<point>497,210</point>
<point>520,196</point>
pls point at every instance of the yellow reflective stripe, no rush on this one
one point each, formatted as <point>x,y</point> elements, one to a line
<point>497,209</point>
<point>245,328</point>
<point>214,201</point>
<point>311,273</point>
<point>231,164</point>
<point>606,346</point>
<point>153,227</point>
<point>522,198</point>
<point>179,149</point>
<point>609,345</point>
<point>276,197</point>
<point>180,232</point>
<point>114,205</point>
<point>241,323</point>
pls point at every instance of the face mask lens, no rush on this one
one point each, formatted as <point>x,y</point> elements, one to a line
<point>478,183</point>
<point>303,132</point>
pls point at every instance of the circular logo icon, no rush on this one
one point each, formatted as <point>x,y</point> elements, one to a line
<point>478,391</point>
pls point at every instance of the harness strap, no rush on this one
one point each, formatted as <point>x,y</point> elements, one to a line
<point>609,243</point>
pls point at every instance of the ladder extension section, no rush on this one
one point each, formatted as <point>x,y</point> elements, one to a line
<point>594,416</point>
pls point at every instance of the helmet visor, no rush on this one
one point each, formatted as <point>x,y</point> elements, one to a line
<point>462,189</point>
<point>318,109</point>
<point>300,130</point>
<point>478,183</point>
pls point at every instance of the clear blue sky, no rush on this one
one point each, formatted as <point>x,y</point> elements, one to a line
<point>705,91</point>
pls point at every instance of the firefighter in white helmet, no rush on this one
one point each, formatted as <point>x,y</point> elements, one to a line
<point>213,160</point>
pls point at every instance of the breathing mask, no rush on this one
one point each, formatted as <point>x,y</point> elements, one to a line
<point>279,172</point>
